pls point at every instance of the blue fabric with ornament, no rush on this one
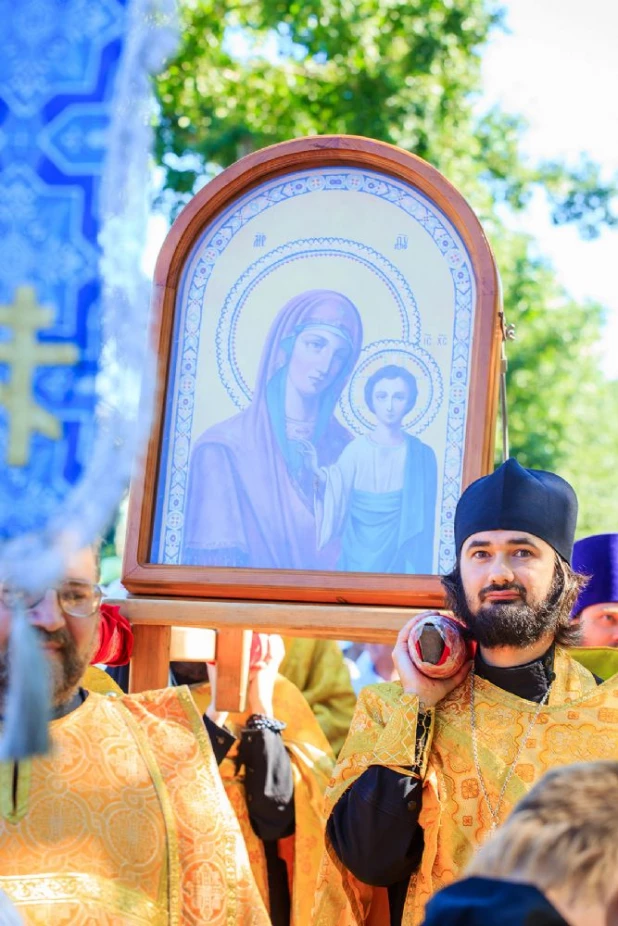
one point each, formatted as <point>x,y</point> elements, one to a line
<point>57,72</point>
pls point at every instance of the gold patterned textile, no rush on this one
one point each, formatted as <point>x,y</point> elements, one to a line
<point>600,660</point>
<point>125,822</point>
<point>579,723</point>
<point>318,670</point>
<point>312,765</point>
<point>98,680</point>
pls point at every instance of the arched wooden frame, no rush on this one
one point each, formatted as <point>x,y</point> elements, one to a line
<point>141,576</point>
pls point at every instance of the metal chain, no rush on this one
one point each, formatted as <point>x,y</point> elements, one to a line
<point>508,334</point>
<point>495,812</point>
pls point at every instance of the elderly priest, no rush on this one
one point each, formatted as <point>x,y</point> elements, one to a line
<point>126,819</point>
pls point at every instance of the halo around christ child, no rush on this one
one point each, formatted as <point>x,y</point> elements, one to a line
<point>417,361</point>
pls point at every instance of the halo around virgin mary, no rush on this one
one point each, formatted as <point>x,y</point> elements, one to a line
<point>250,497</point>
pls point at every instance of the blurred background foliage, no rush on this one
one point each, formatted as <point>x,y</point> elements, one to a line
<point>256,72</point>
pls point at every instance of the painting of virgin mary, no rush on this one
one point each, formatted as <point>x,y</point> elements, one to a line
<point>250,498</point>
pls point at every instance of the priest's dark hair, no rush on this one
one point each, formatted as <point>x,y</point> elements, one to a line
<point>565,588</point>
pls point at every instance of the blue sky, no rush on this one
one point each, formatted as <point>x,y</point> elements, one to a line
<point>557,66</point>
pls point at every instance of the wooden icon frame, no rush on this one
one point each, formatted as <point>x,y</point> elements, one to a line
<point>144,577</point>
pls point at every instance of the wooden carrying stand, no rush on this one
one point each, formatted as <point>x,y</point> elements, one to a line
<point>168,630</point>
<point>226,242</point>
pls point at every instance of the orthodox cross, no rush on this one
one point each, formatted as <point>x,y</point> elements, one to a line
<point>23,354</point>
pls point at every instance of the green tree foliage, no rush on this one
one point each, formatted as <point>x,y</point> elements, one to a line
<point>562,410</point>
<point>256,72</point>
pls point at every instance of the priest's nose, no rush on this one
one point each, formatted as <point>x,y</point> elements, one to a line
<point>46,613</point>
<point>500,572</point>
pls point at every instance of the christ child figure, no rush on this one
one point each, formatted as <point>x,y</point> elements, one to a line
<point>379,497</point>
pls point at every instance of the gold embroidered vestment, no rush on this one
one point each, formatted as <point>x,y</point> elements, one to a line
<point>318,670</point>
<point>579,723</point>
<point>125,822</point>
<point>312,765</point>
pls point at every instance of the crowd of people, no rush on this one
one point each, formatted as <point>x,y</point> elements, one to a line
<point>354,789</point>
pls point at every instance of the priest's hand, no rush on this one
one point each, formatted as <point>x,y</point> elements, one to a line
<point>262,676</point>
<point>428,690</point>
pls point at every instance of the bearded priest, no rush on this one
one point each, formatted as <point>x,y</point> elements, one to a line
<point>432,766</point>
<point>125,820</point>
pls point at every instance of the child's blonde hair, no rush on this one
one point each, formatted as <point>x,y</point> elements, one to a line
<point>562,836</point>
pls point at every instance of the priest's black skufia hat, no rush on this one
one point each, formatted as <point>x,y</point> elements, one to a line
<point>518,499</point>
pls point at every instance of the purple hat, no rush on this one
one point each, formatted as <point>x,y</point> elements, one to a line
<point>597,557</point>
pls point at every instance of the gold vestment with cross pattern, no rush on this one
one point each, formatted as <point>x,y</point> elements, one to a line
<point>125,822</point>
<point>578,724</point>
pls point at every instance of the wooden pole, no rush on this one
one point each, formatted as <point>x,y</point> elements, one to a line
<point>150,664</point>
<point>340,622</point>
<point>168,628</point>
<point>233,650</point>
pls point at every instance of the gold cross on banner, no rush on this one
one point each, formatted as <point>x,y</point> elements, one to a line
<point>24,353</point>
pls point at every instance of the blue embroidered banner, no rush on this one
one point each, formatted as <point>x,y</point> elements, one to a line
<point>75,112</point>
<point>57,73</point>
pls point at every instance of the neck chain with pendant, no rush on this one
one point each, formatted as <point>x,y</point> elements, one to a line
<point>495,811</point>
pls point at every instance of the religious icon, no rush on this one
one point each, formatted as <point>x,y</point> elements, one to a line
<point>317,396</point>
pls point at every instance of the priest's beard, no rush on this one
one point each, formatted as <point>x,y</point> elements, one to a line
<point>66,665</point>
<point>518,623</point>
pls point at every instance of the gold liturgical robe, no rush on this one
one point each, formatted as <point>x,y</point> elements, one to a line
<point>312,765</point>
<point>579,723</point>
<point>318,670</point>
<point>125,822</point>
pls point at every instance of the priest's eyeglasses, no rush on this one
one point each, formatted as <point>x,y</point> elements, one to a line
<point>76,598</point>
